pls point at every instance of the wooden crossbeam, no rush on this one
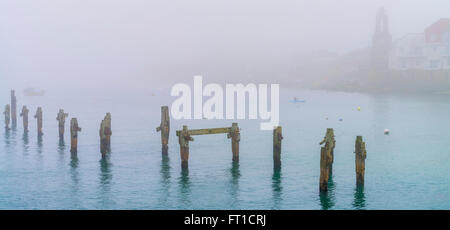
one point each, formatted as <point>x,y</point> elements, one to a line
<point>194,132</point>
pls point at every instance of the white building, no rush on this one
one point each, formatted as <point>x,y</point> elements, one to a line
<point>429,50</point>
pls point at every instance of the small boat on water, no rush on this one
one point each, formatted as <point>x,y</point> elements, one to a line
<point>32,92</point>
<point>296,100</point>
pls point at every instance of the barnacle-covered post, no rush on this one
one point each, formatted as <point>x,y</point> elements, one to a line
<point>277,137</point>
<point>7,114</point>
<point>164,128</point>
<point>13,108</point>
<point>326,159</point>
<point>74,129</point>
<point>61,118</point>
<point>360,158</point>
<point>24,115</point>
<point>105,135</point>
<point>183,138</point>
<point>38,117</point>
<point>235,136</point>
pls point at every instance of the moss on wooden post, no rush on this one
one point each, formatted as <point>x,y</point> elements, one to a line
<point>24,115</point>
<point>277,137</point>
<point>326,159</point>
<point>74,129</point>
<point>38,117</point>
<point>7,114</point>
<point>105,135</point>
<point>61,118</point>
<point>235,136</point>
<point>13,108</point>
<point>360,158</point>
<point>164,127</point>
<point>183,138</point>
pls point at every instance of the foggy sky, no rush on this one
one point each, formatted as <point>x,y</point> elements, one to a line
<point>141,43</point>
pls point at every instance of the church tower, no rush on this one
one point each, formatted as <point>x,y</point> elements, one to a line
<point>381,42</point>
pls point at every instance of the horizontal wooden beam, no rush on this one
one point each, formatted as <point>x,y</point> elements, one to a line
<point>194,132</point>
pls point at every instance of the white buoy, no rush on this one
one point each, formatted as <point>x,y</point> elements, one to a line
<point>386,131</point>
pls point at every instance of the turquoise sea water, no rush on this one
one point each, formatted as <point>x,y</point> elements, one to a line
<point>408,169</point>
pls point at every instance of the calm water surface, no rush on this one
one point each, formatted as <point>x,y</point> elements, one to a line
<point>408,169</point>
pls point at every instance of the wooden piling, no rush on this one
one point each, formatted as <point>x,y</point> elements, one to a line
<point>24,115</point>
<point>61,118</point>
<point>164,127</point>
<point>7,114</point>
<point>105,135</point>
<point>235,136</point>
<point>108,131</point>
<point>13,108</point>
<point>326,159</point>
<point>183,138</point>
<point>74,129</point>
<point>277,137</point>
<point>360,159</point>
<point>38,117</point>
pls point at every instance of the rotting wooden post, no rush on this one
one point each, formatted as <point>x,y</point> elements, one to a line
<point>108,130</point>
<point>277,137</point>
<point>235,136</point>
<point>7,114</point>
<point>183,138</point>
<point>74,129</point>
<point>38,116</point>
<point>24,115</point>
<point>360,159</point>
<point>326,159</point>
<point>105,135</point>
<point>164,127</point>
<point>13,108</point>
<point>61,118</point>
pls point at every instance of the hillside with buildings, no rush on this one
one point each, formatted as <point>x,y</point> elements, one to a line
<point>417,62</point>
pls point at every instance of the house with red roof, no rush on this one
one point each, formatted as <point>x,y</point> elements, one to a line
<point>428,50</point>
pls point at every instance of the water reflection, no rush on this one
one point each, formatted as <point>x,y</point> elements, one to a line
<point>39,142</point>
<point>327,199</point>
<point>7,137</point>
<point>277,189</point>
<point>25,142</point>
<point>61,150</point>
<point>165,178</point>
<point>75,180</point>
<point>360,199</point>
<point>185,187</point>
<point>234,183</point>
<point>105,181</point>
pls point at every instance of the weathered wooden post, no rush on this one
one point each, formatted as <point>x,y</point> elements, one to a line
<point>7,114</point>
<point>235,136</point>
<point>108,131</point>
<point>183,138</point>
<point>38,116</point>
<point>360,159</point>
<point>13,108</point>
<point>326,159</point>
<point>61,118</point>
<point>105,134</point>
<point>74,129</point>
<point>24,115</point>
<point>277,137</point>
<point>164,127</point>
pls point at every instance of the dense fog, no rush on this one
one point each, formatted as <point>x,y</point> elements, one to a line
<point>146,43</point>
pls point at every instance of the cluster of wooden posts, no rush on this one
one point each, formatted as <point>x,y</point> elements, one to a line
<point>11,116</point>
<point>233,133</point>
<point>185,136</point>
